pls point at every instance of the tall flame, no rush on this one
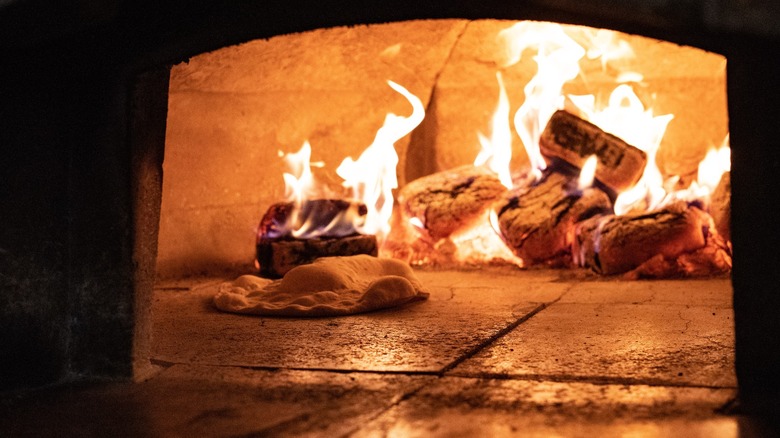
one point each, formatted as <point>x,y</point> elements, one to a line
<point>559,50</point>
<point>606,45</point>
<point>311,219</point>
<point>496,151</point>
<point>626,117</point>
<point>372,177</point>
<point>557,59</point>
<point>299,182</point>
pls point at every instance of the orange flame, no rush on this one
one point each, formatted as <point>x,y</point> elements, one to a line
<point>605,45</point>
<point>557,59</point>
<point>496,151</point>
<point>372,177</point>
<point>588,173</point>
<point>626,117</point>
<point>714,165</point>
<point>299,182</point>
<point>305,219</point>
<point>711,170</point>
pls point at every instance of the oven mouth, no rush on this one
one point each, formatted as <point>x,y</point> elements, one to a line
<point>105,147</point>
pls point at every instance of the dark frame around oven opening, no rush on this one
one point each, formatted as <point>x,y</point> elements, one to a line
<point>83,96</point>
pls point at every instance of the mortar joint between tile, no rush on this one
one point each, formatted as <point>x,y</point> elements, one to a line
<point>501,333</point>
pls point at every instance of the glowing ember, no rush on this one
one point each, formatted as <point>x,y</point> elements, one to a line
<point>372,176</point>
<point>417,223</point>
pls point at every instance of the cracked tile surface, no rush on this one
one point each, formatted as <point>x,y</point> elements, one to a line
<point>601,358</point>
<point>211,401</point>
<point>455,406</point>
<point>670,333</point>
<point>464,311</point>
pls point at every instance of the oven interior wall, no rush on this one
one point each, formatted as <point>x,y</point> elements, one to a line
<point>66,77</point>
<point>231,110</point>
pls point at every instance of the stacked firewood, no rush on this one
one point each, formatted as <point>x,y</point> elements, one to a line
<point>677,240</point>
<point>554,222</point>
<point>540,223</point>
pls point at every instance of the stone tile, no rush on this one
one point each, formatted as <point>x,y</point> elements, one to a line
<point>464,311</point>
<point>485,407</point>
<point>210,401</point>
<point>713,293</point>
<point>498,284</point>
<point>658,344</point>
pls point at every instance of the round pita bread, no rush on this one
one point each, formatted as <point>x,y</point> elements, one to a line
<point>331,286</point>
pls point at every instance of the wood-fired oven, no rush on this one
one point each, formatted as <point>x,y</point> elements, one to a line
<point>85,96</point>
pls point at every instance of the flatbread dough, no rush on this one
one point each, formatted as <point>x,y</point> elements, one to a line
<point>331,286</point>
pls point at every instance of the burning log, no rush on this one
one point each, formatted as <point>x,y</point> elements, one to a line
<point>617,244</point>
<point>321,230</point>
<point>446,202</point>
<point>572,139</point>
<point>277,256</point>
<point>321,217</point>
<point>537,223</point>
<point>713,258</point>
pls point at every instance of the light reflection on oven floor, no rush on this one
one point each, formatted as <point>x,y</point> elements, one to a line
<point>491,351</point>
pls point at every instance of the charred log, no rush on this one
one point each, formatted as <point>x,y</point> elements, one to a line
<point>572,139</point>
<point>537,223</point>
<point>617,244</point>
<point>277,256</point>
<point>449,201</point>
<point>712,259</point>
<point>278,250</point>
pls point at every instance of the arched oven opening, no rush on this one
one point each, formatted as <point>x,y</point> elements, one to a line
<point>121,344</point>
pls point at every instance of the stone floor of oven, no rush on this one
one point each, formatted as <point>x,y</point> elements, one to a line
<point>491,353</point>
